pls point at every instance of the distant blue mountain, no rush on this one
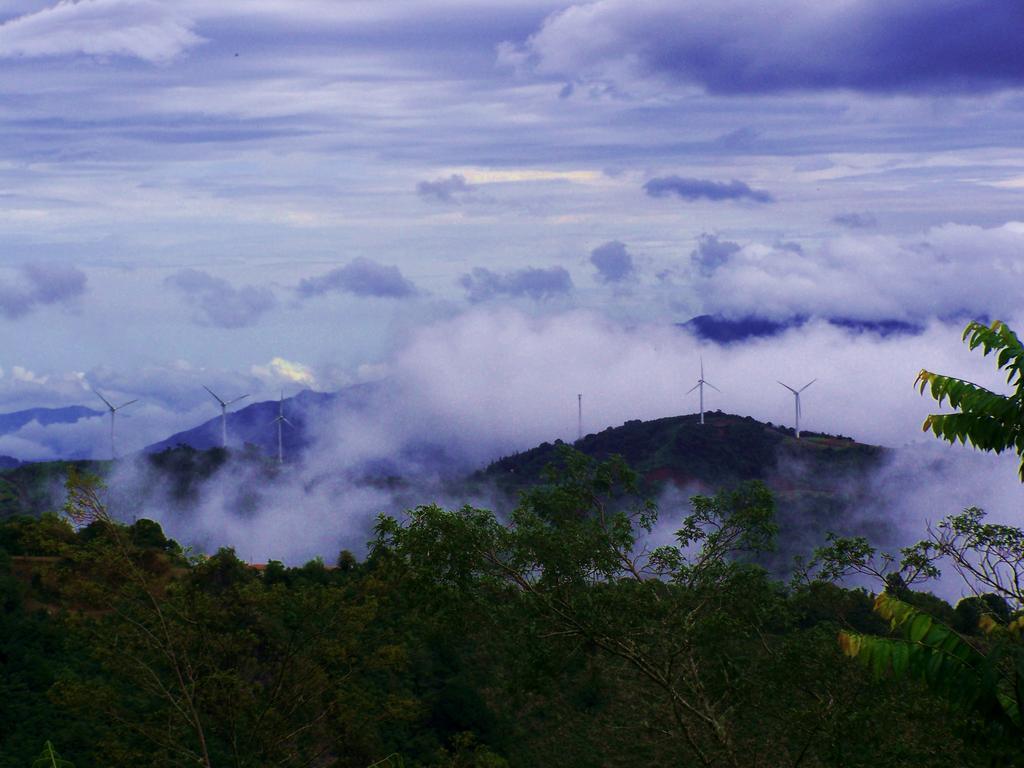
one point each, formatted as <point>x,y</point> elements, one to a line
<point>12,422</point>
<point>254,424</point>
<point>725,330</point>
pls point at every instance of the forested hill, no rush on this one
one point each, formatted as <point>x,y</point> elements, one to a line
<point>726,449</point>
<point>821,483</point>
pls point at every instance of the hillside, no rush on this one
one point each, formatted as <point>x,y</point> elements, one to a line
<point>724,450</point>
<point>821,482</point>
<point>31,488</point>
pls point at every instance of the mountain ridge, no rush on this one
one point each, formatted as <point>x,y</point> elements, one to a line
<point>15,420</point>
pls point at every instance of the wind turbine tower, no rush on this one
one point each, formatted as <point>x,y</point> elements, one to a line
<point>223,414</point>
<point>579,417</point>
<point>796,397</point>
<point>700,386</point>
<point>281,421</point>
<point>113,411</point>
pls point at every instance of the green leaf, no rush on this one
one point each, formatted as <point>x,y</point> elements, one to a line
<point>49,758</point>
<point>919,627</point>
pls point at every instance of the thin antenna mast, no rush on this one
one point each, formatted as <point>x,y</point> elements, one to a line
<point>700,386</point>
<point>223,414</point>
<point>796,398</point>
<point>579,417</point>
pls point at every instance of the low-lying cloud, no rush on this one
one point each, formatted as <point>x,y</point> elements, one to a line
<point>491,382</point>
<point>462,392</point>
<point>948,271</point>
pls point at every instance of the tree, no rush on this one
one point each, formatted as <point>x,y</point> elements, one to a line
<point>983,674</point>
<point>202,663</point>
<point>690,644</point>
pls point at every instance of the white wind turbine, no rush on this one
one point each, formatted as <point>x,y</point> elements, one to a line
<point>281,421</point>
<point>796,396</point>
<point>113,410</point>
<point>700,385</point>
<point>223,414</point>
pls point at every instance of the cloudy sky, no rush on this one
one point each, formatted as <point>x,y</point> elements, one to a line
<point>257,193</point>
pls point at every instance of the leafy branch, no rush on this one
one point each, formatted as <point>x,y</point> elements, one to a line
<point>985,419</point>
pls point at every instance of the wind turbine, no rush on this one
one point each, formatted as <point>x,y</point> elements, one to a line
<point>223,414</point>
<point>700,385</point>
<point>796,396</point>
<point>113,410</point>
<point>281,421</point>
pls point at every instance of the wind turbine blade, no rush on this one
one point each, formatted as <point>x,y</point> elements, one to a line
<point>287,422</point>
<point>693,387</point>
<point>712,386</point>
<point>789,388</point>
<point>213,395</point>
<point>101,397</point>
<point>229,402</point>
<point>805,386</point>
<point>122,405</point>
<point>702,366</point>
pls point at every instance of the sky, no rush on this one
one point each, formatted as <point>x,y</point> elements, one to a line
<point>501,204</point>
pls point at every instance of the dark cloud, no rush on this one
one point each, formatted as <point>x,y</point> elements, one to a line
<point>533,282</point>
<point>711,253</point>
<point>697,189</point>
<point>854,220</point>
<point>612,262</point>
<point>449,190</point>
<point>40,284</point>
<point>218,302</point>
<point>362,277</point>
<point>912,46</point>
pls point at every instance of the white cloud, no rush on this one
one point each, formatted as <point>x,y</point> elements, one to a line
<point>492,382</point>
<point>281,371</point>
<point>502,381</point>
<point>151,30</point>
<point>947,271</point>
